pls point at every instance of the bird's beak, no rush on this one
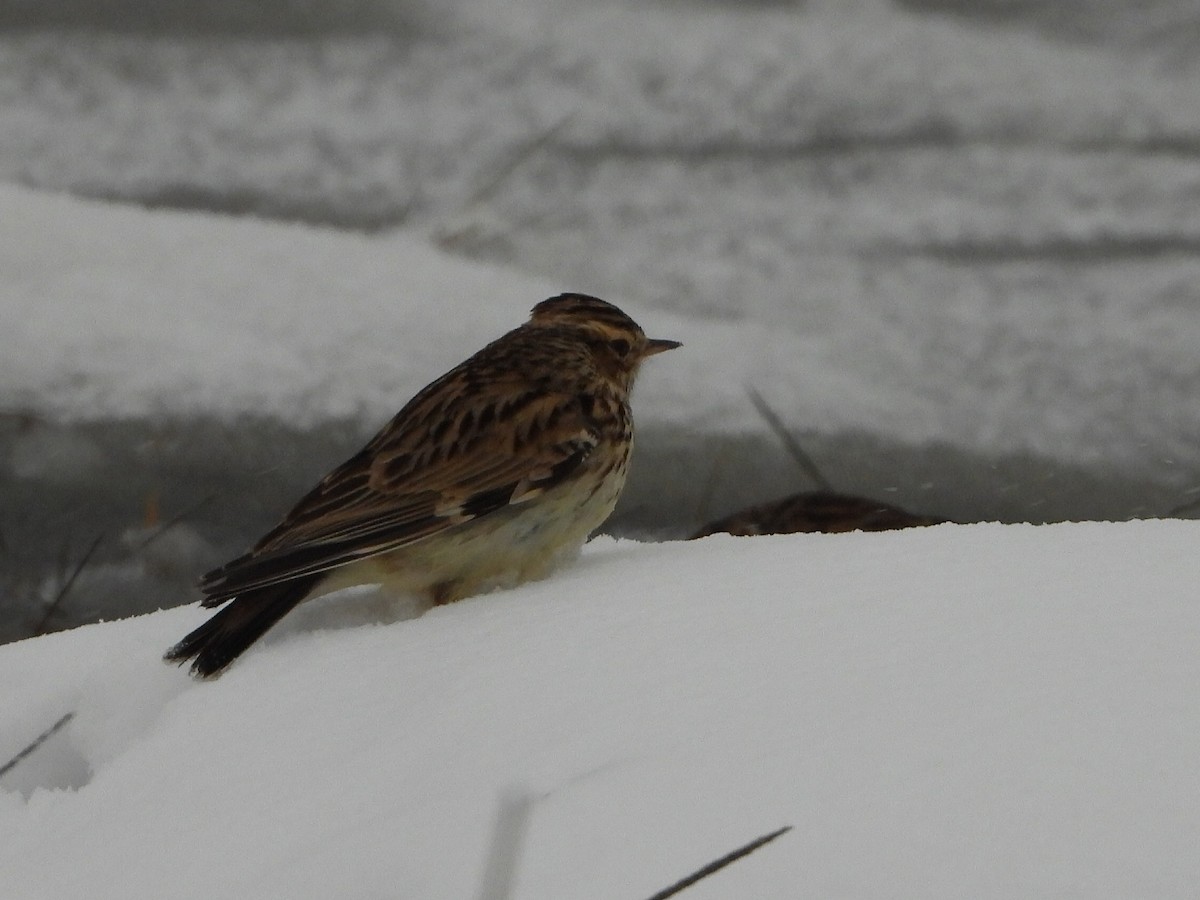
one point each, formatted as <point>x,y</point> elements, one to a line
<point>655,345</point>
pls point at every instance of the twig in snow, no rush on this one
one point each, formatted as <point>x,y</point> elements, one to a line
<point>37,742</point>
<point>718,864</point>
<point>508,835</point>
<point>522,153</point>
<point>460,227</point>
<point>798,453</point>
<point>177,518</point>
<point>67,585</point>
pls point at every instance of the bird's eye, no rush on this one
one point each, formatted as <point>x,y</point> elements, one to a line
<point>620,346</point>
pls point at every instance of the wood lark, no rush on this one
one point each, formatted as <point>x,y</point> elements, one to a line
<point>490,476</point>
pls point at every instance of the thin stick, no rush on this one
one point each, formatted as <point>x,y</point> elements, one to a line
<point>803,460</point>
<point>37,742</point>
<point>510,165</point>
<point>65,589</point>
<point>508,837</point>
<point>718,864</point>
<point>177,518</point>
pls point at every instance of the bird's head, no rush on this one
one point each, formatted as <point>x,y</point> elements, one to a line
<point>617,343</point>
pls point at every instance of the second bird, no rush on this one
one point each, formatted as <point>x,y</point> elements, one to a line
<point>489,477</point>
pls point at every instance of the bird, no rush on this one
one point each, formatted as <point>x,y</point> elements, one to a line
<point>491,476</point>
<point>816,511</point>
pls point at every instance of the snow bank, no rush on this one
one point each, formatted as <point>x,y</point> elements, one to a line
<point>946,712</point>
<point>119,312</point>
<point>133,313</point>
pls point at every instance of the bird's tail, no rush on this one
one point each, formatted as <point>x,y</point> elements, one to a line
<point>224,637</point>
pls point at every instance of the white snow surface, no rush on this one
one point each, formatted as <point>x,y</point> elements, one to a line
<point>957,711</point>
<point>115,311</point>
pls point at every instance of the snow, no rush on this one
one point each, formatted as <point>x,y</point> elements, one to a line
<point>952,711</point>
<point>129,312</point>
<point>942,243</point>
<point>900,224</point>
<point>132,312</point>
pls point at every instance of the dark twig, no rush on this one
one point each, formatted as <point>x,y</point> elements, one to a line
<point>37,742</point>
<point>177,518</point>
<point>510,165</point>
<point>803,460</point>
<point>508,836</point>
<point>718,864</point>
<point>461,228</point>
<point>67,585</point>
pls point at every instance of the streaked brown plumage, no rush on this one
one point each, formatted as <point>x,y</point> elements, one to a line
<point>816,511</point>
<point>487,477</point>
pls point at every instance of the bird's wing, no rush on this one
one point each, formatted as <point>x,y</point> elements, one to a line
<point>438,464</point>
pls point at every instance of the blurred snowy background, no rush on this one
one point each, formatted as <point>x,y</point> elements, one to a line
<point>971,231</point>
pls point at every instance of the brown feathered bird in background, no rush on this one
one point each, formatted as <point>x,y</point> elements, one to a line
<point>816,511</point>
<point>825,510</point>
